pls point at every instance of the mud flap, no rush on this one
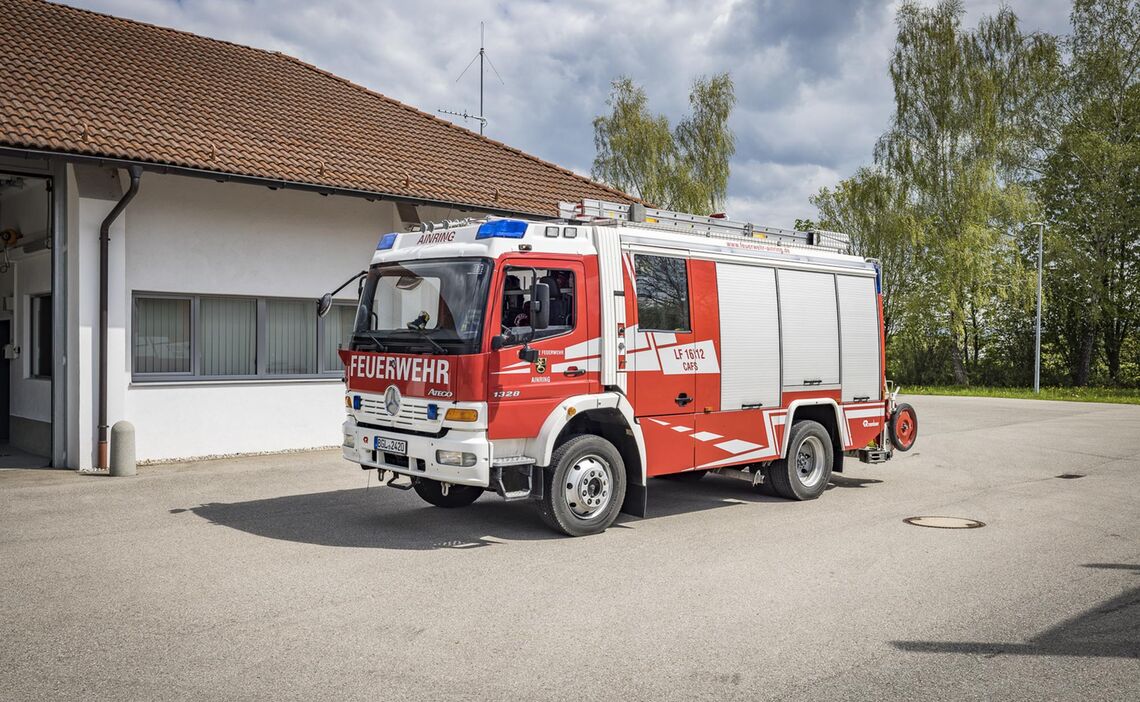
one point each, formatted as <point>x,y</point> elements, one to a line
<point>635,500</point>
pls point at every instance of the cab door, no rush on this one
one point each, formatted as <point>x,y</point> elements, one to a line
<point>662,359</point>
<point>523,394</point>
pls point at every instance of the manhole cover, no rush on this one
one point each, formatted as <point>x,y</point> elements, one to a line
<point>945,522</point>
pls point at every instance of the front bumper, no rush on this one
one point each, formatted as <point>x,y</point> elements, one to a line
<point>421,454</point>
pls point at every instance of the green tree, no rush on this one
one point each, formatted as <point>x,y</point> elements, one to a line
<point>684,168</point>
<point>1090,193</point>
<point>871,207</point>
<point>956,142</point>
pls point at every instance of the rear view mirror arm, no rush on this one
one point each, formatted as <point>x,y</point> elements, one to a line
<point>325,303</point>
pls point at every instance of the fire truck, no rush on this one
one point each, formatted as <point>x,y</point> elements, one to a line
<point>569,361</point>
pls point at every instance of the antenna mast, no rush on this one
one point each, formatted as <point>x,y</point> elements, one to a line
<point>482,56</point>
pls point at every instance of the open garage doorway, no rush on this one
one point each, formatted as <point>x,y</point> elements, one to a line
<point>27,332</point>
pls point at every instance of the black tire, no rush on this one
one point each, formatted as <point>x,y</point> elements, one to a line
<point>586,468</point>
<point>457,495</point>
<point>903,426</point>
<point>765,486</point>
<point>804,473</point>
<point>689,476</point>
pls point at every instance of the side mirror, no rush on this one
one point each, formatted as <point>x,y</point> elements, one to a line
<point>324,304</point>
<point>528,354</point>
<point>540,306</point>
<point>498,341</point>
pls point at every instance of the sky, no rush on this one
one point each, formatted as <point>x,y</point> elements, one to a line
<point>812,88</point>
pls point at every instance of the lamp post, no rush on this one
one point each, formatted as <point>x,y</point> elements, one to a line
<point>1037,355</point>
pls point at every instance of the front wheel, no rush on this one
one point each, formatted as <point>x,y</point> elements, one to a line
<point>457,495</point>
<point>803,475</point>
<point>585,486</point>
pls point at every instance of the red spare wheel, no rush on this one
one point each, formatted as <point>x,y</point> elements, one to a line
<point>903,427</point>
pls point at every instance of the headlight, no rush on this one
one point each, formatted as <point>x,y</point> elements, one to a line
<point>349,441</point>
<point>456,414</point>
<point>455,458</point>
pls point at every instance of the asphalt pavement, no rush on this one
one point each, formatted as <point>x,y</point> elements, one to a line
<point>297,577</point>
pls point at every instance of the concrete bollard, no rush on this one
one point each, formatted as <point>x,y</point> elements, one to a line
<point>123,449</point>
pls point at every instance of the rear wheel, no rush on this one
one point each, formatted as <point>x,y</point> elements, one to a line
<point>585,486</point>
<point>803,475</point>
<point>764,487</point>
<point>457,495</point>
<point>903,427</point>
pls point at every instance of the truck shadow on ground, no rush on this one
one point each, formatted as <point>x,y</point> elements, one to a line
<point>381,517</point>
<point>1109,630</point>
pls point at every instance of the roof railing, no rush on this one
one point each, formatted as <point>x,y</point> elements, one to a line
<point>604,212</point>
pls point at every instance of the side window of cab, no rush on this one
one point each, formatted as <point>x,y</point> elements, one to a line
<point>516,302</point>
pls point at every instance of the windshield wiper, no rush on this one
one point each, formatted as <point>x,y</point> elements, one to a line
<point>371,337</point>
<point>424,333</point>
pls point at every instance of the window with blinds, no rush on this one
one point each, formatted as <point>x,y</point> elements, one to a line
<point>188,337</point>
<point>162,335</point>
<point>228,343</point>
<point>291,337</point>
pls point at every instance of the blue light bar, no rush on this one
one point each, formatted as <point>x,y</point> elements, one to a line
<point>432,411</point>
<point>386,242</point>
<point>356,402</point>
<point>502,228</point>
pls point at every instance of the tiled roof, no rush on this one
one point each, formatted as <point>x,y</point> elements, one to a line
<point>79,82</point>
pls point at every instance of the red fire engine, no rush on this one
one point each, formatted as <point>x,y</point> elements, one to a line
<point>569,361</point>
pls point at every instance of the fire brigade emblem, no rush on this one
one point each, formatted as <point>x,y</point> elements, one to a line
<point>392,400</point>
<point>540,366</point>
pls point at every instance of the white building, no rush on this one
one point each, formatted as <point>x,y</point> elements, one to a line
<point>262,182</point>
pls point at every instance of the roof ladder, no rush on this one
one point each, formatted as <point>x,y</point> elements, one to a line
<point>699,224</point>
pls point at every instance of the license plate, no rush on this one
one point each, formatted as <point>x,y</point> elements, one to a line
<point>398,446</point>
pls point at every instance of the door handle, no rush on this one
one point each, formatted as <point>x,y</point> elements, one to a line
<point>683,399</point>
<point>813,381</point>
<point>574,372</point>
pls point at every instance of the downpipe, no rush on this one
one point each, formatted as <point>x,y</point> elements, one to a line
<point>104,253</point>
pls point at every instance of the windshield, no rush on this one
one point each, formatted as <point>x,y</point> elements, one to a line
<point>426,306</point>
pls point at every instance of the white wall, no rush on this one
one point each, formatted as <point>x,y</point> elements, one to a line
<point>84,218</point>
<point>198,236</point>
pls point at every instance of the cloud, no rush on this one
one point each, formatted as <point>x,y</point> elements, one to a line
<point>811,78</point>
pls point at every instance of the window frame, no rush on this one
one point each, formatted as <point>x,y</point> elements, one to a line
<point>164,376</point>
<point>261,318</point>
<point>507,267</point>
<point>36,300</point>
<point>688,294</point>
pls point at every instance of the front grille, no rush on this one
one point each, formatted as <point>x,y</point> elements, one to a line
<point>412,415</point>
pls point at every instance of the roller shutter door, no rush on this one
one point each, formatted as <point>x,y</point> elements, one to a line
<point>749,336</point>
<point>859,332</point>
<point>810,328</point>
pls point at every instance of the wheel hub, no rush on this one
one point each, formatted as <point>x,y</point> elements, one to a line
<point>809,461</point>
<point>588,487</point>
